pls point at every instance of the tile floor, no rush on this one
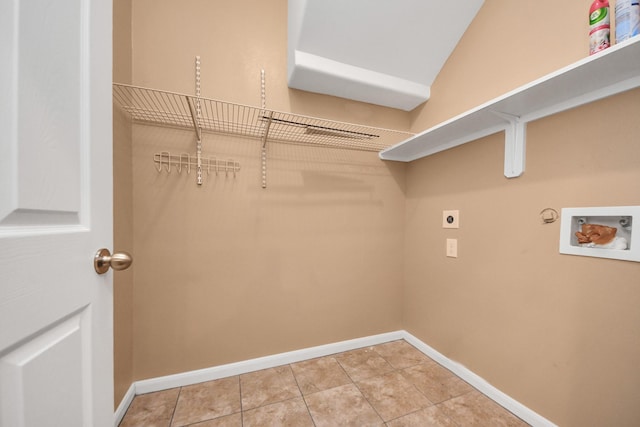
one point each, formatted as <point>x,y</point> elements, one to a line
<point>391,384</point>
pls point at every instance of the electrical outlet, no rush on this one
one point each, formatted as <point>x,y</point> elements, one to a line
<point>452,248</point>
<point>451,219</point>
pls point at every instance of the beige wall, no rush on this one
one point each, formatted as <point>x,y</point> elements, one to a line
<point>505,47</point>
<point>230,271</point>
<point>122,206</point>
<point>558,333</point>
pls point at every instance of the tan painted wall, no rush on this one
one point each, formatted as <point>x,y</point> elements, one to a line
<point>230,271</point>
<point>502,49</point>
<point>558,333</point>
<point>122,206</point>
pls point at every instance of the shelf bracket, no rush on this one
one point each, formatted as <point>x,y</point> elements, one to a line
<point>194,117</point>
<point>515,135</point>
<point>265,136</point>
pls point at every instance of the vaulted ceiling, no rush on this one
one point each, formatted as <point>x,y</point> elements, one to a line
<point>384,52</point>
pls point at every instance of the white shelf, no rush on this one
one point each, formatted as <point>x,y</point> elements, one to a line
<point>612,71</point>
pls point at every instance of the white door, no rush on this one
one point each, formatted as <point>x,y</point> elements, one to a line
<point>55,213</point>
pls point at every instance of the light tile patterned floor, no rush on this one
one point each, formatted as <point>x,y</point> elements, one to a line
<point>391,384</point>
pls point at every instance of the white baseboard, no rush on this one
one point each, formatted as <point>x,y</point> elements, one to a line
<point>480,384</point>
<point>223,371</point>
<point>243,367</point>
<point>124,404</point>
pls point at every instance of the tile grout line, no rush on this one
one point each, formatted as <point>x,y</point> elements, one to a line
<point>175,407</point>
<point>302,394</point>
<point>263,405</point>
<point>370,404</point>
<point>433,404</point>
<point>358,388</point>
<point>241,408</point>
<point>398,370</point>
<point>413,385</point>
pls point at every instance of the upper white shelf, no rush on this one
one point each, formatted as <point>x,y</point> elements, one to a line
<point>612,71</point>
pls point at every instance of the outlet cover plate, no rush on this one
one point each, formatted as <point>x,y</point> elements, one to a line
<point>452,248</point>
<point>451,219</point>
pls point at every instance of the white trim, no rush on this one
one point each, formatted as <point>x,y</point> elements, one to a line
<point>228,370</point>
<point>314,73</point>
<point>243,367</point>
<point>124,405</point>
<point>480,384</point>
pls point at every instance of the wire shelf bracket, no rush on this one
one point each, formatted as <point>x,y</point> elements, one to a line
<point>163,108</point>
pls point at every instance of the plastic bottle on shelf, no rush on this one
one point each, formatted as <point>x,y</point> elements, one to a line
<point>599,26</point>
<point>627,19</point>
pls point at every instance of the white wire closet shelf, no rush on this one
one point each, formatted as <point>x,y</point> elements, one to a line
<point>179,110</point>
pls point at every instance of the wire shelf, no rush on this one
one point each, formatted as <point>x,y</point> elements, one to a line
<point>173,109</point>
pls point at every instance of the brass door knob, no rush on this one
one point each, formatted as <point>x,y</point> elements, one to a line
<point>118,261</point>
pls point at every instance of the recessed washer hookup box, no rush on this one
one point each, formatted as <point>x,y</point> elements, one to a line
<point>603,232</point>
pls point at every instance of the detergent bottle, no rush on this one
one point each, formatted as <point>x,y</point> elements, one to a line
<point>599,26</point>
<point>627,19</point>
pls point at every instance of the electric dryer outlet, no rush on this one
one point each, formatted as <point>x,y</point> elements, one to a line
<point>451,219</point>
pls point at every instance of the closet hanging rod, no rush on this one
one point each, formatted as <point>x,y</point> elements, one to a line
<point>324,130</point>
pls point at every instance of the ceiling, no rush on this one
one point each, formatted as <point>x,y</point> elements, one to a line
<point>384,52</point>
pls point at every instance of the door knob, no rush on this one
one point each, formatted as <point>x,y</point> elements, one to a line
<point>118,261</point>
